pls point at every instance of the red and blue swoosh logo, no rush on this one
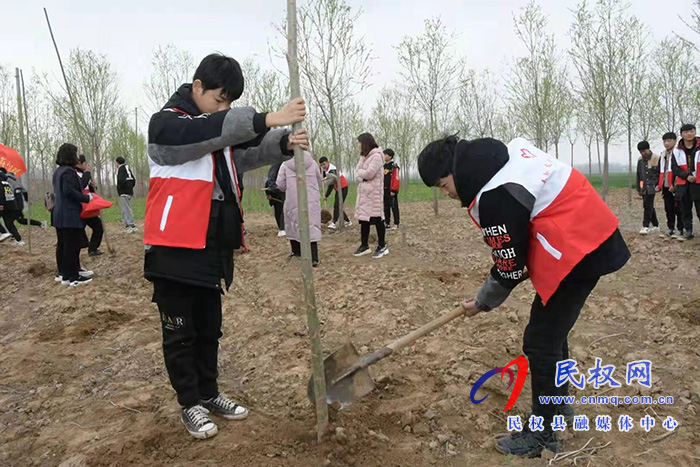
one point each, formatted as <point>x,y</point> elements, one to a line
<point>521,363</point>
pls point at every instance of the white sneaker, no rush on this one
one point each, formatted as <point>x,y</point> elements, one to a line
<point>20,243</point>
<point>331,225</point>
<point>58,278</point>
<point>44,225</point>
<point>5,236</point>
<point>85,273</point>
<point>654,229</point>
<point>348,224</point>
<point>281,233</point>
<point>644,231</point>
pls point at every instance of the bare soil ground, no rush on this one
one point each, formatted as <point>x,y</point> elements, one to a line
<point>82,381</point>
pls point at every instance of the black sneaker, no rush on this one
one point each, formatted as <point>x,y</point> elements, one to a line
<point>528,443</point>
<point>95,253</point>
<point>689,235</point>
<point>381,251</point>
<point>196,420</point>
<point>79,281</point>
<point>363,250</point>
<point>226,408</point>
<point>315,264</point>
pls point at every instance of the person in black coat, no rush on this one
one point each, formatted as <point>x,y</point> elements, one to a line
<point>65,216</point>
<point>275,197</point>
<point>95,223</point>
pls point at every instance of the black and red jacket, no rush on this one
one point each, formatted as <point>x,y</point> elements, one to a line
<point>529,208</point>
<point>391,177</point>
<point>686,162</point>
<point>193,219</point>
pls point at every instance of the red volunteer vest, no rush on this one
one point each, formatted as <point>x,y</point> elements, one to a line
<point>568,220</point>
<point>343,181</point>
<point>179,201</point>
<point>665,170</point>
<point>682,161</point>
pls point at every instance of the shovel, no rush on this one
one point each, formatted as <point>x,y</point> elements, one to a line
<point>347,374</point>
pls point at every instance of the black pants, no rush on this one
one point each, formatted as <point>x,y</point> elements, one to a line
<point>98,231</point>
<point>545,341</point>
<point>10,217</point>
<point>279,213</point>
<point>24,221</point>
<point>649,211</point>
<point>381,231</point>
<point>672,207</point>
<point>687,203</point>
<point>391,204</point>
<point>68,252</point>
<point>191,322</point>
<point>336,206</point>
<point>296,249</point>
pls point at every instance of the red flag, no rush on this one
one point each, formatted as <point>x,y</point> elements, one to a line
<point>12,161</point>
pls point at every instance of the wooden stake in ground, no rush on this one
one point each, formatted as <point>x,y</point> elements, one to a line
<point>20,123</point>
<point>75,119</point>
<point>306,267</point>
<point>28,162</point>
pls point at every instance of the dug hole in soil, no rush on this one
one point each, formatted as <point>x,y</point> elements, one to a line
<point>83,380</point>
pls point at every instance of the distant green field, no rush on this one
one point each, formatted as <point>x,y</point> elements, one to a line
<point>255,201</point>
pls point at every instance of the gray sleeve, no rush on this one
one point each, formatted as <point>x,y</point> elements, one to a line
<point>202,135</point>
<point>491,294</point>
<point>268,152</point>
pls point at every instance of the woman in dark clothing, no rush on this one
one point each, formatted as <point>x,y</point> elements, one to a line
<point>95,223</point>
<point>65,217</point>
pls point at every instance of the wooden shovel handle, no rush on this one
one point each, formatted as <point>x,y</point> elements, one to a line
<point>427,328</point>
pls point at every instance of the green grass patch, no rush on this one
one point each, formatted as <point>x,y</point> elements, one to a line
<point>255,200</point>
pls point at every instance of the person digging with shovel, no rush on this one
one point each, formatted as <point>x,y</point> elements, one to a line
<point>529,208</point>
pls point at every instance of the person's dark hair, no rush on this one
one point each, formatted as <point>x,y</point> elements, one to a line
<point>669,135</point>
<point>389,152</point>
<point>3,170</point>
<point>67,155</point>
<point>367,143</point>
<point>219,71</point>
<point>687,127</point>
<point>82,159</point>
<point>323,159</point>
<point>642,145</point>
<point>120,160</point>
<point>436,159</point>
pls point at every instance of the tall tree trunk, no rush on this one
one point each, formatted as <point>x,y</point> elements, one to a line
<point>606,168</point>
<point>433,131</point>
<point>600,166</point>
<point>572,154</point>
<point>629,153</point>
<point>590,161</point>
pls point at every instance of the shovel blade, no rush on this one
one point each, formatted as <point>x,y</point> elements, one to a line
<point>348,389</point>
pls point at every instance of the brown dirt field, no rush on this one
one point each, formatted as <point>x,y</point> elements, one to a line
<point>82,381</point>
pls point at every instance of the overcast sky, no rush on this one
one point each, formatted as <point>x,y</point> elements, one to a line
<point>128,32</point>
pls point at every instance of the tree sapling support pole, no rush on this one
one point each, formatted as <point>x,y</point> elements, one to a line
<point>29,164</point>
<point>306,267</point>
<point>20,124</point>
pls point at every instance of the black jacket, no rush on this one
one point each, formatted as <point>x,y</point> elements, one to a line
<point>647,175</point>
<point>694,188</point>
<point>69,196</point>
<point>86,180</point>
<point>125,181</point>
<point>271,184</point>
<point>476,162</point>
<point>168,132</point>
